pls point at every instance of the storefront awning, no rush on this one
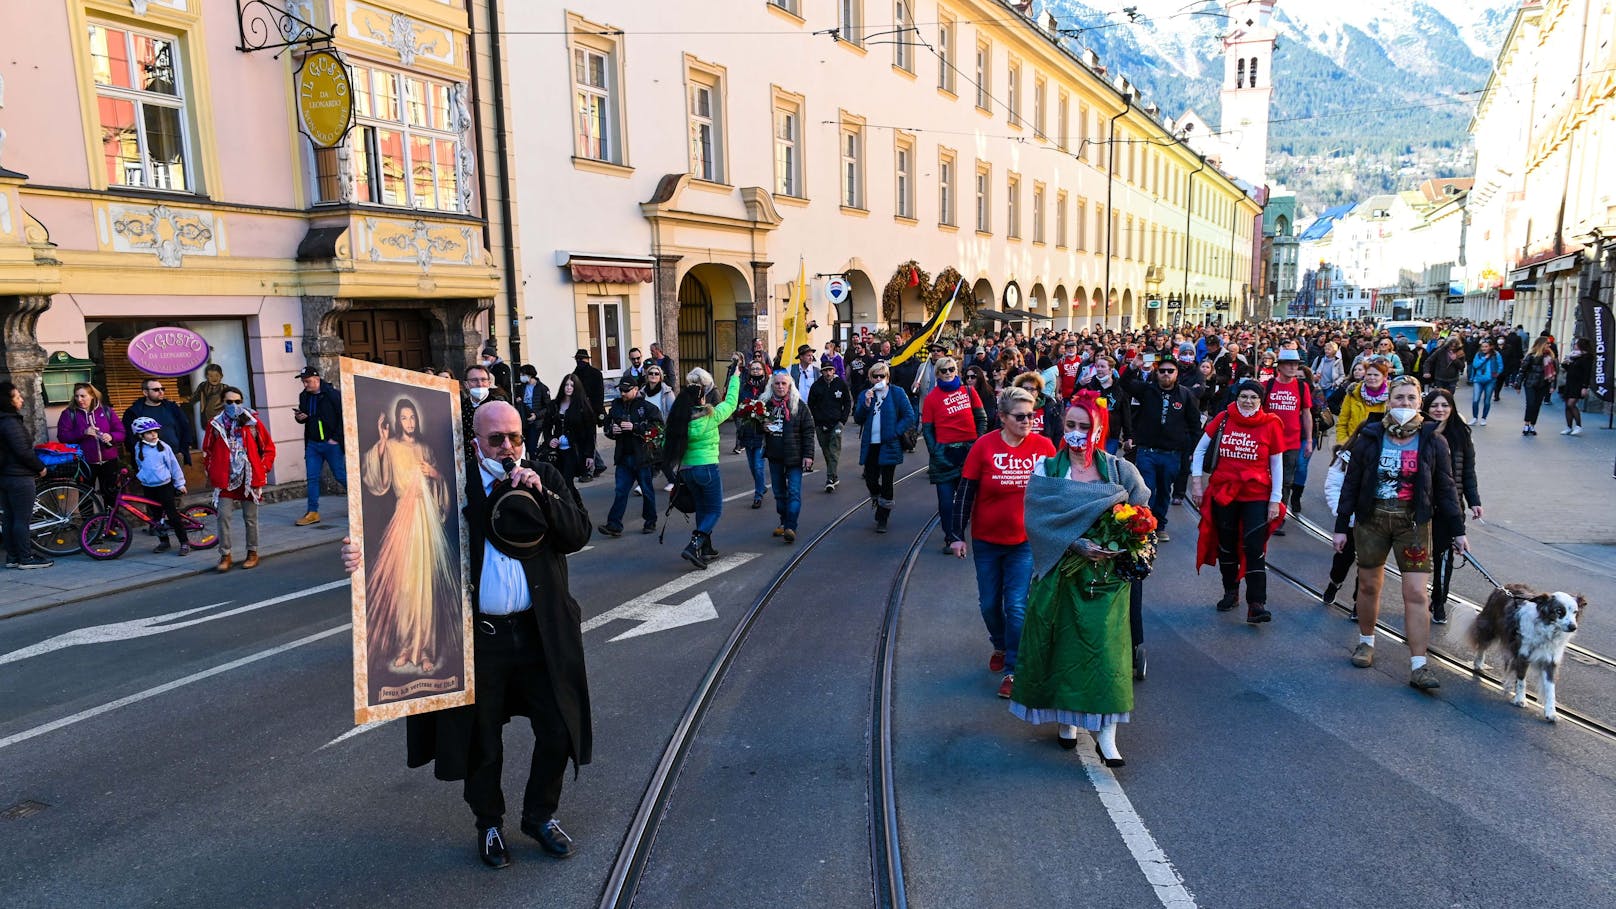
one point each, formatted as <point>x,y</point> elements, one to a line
<point>607,269</point>
<point>1568,262</point>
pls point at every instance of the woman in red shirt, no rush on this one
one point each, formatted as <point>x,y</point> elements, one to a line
<point>951,418</point>
<point>992,492</point>
<point>1242,501</point>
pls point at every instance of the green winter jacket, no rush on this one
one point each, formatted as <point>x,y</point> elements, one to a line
<point>702,448</point>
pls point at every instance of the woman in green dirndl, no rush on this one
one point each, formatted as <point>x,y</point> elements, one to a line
<point>1076,662</point>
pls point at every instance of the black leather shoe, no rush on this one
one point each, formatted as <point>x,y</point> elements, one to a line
<point>1227,601</point>
<point>551,837</point>
<point>491,846</point>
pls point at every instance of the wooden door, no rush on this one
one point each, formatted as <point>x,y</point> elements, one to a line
<point>396,337</point>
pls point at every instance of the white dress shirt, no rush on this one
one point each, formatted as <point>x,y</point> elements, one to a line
<point>502,589</point>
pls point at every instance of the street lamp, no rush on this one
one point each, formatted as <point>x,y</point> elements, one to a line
<point>1110,182</point>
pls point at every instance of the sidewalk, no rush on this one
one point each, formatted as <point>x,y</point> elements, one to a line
<point>79,577</point>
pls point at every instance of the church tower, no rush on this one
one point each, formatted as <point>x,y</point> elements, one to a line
<point>1248,87</point>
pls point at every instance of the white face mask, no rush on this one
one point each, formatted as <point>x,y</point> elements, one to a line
<point>1401,415</point>
<point>880,384</point>
<point>1077,440</point>
<point>477,394</point>
<point>1247,410</point>
<point>494,468</point>
<point>531,380</point>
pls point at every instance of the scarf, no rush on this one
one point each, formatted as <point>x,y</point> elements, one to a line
<point>1404,430</point>
<point>1058,510</point>
<point>949,384</point>
<point>234,435</point>
<point>1372,398</point>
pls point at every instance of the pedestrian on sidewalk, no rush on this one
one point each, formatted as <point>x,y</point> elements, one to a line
<point>992,494</point>
<point>788,446</point>
<point>952,418</point>
<point>159,471</point>
<point>1075,660</point>
<point>19,467</point>
<point>692,447</point>
<point>1399,478</point>
<point>1538,373</point>
<point>238,454</point>
<point>884,415</point>
<point>1167,427</point>
<point>632,422</point>
<point>830,403</point>
<point>1441,409</point>
<point>1240,497</point>
<point>1578,370</point>
<point>1485,371</point>
<point>319,409</point>
<point>94,427</point>
<point>528,645</point>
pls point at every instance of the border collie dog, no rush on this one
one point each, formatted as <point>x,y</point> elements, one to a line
<point>1533,629</point>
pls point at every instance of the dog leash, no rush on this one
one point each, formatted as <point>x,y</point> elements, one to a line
<point>1484,573</point>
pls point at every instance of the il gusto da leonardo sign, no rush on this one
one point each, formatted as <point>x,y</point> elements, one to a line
<point>324,98</point>
<point>168,351</point>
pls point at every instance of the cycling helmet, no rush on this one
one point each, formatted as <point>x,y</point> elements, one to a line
<point>144,425</point>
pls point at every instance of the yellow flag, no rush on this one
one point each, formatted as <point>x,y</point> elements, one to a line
<point>796,320</point>
<point>931,329</point>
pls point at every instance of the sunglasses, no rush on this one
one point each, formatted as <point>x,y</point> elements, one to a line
<point>946,370</point>
<point>1020,417</point>
<point>154,388</point>
<point>1405,380</point>
<point>498,439</point>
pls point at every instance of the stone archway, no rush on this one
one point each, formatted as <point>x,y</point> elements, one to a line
<point>1096,306</point>
<point>862,306</point>
<point>710,294</point>
<point>982,292</point>
<point>1124,313</point>
<point>1060,308</point>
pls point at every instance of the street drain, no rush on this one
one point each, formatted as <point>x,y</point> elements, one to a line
<point>23,809</point>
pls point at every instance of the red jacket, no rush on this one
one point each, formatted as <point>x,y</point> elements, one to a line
<point>260,449</point>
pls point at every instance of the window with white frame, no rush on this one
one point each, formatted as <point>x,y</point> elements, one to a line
<point>140,105</point>
<point>903,44</point>
<point>790,6</point>
<point>1037,213</point>
<point>904,178</point>
<point>596,101</point>
<point>1012,93</point>
<point>984,198</point>
<point>1012,206</point>
<point>788,176</point>
<point>1060,220</point>
<point>852,142</point>
<point>945,188</point>
<point>608,341</point>
<point>984,75</point>
<point>405,148</point>
<point>1039,89</point>
<point>706,113</point>
<point>946,29</point>
<point>850,21</point>
<point>1063,124</point>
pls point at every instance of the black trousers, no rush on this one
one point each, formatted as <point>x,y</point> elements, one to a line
<point>19,498</point>
<point>511,666</point>
<point>878,480</point>
<point>1244,525</point>
<point>105,475</point>
<point>167,498</point>
<point>1442,559</point>
<point>1534,403</point>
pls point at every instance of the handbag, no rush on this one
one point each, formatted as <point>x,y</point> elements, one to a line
<point>1210,460</point>
<point>682,499</point>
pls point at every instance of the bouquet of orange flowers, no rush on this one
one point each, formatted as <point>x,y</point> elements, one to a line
<point>1127,535</point>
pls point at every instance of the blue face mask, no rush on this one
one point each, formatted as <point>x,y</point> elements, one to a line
<point>232,411</point>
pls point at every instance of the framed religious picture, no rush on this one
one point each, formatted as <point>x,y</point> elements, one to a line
<point>412,646</point>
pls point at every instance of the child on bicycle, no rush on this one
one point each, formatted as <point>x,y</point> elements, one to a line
<point>158,470</point>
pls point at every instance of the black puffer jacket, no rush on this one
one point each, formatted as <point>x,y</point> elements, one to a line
<point>792,439</point>
<point>17,457</point>
<point>1463,450</point>
<point>1434,489</point>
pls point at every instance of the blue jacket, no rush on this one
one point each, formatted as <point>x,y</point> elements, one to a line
<point>1485,368</point>
<point>897,417</point>
<point>155,465</point>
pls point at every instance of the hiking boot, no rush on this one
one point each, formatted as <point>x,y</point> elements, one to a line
<point>692,551</point>
<point>1363,655</point>
<point>708,553</point>
<point>251,560</point>
<point>790,536</point>
<point>1228,600</point>
<point>312,517</point>
<point>780,531</point>
<point>1256,614</point>
<point>1424,678</point>
<point>224,563</point>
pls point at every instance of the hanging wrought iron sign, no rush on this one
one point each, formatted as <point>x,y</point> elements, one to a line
<point>324,98</point>
<point>265,26</point>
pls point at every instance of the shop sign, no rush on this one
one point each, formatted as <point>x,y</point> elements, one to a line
<point>324,98</point>
<point>837,289</point>
<point>168,351</point>
<point>1153,303</point>
<point>1012,296</point>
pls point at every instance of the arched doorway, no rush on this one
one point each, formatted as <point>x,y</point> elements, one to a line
<point>1125,312</point>
<point>862,306</point>
<point>1061,309</point>
<point>707,297</point>
<point>982,293</point>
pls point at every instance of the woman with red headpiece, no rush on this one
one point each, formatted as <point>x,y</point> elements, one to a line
<point>1076,656</point>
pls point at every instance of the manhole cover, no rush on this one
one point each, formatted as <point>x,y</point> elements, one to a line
<point>23,809</point>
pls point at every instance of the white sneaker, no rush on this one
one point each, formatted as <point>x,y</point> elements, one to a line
<point>1566,431</point>
<point>1576,430</point>
<point>1482,422</point>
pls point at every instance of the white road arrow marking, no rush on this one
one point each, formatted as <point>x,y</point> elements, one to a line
<point>648,605</point>
<point>698,608</point>
<point>140,628</point>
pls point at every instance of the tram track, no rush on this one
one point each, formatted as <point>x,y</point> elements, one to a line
<point>1461,665</point>
<point>634,855</point>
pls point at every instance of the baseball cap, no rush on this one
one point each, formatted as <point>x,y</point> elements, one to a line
<point>309,372</point>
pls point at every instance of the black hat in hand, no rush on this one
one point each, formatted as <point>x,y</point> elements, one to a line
<point>516,522</point>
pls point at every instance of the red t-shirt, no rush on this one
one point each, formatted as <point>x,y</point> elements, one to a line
<point>1243,454</point>
<point>1288,401</point>
<point>1001,474</point>
<point>1070,372</point>
<point>949,413</point>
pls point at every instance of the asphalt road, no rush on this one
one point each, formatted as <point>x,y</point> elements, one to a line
<point>206,765</point>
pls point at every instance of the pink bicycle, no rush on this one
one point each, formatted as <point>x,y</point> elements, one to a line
<point>107,536</point>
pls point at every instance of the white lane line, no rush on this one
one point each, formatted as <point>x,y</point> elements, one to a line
<point>738,495</point>
<point>357,730</point>
<point>166,687</point>
<point>1161,874</point>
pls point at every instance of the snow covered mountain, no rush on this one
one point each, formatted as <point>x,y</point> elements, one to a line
<point>1386,83</point>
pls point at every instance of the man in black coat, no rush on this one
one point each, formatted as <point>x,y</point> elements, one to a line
<point>830,402</point>
<point>529,650</point>
<point>497,368</point>
<point>594,384</point>
<point>629,421</point>
<point>176,431</point>
<point>319,409</point>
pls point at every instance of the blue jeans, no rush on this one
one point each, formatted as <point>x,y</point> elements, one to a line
<point>760,476</point>
<point>708,488</point>
<point>629,472</point>
<point>315,454</point>
<point>1482,399</point>
<point>1003,576</point>
<point>787,482</point>
<point>945,505</point>
<point>1159,468</point>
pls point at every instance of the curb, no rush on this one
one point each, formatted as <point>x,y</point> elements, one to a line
<point>159,578</point>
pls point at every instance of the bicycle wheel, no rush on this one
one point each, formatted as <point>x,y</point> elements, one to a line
<point>201,528</point>
<point>105,536</point>
<point>60,510</point>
